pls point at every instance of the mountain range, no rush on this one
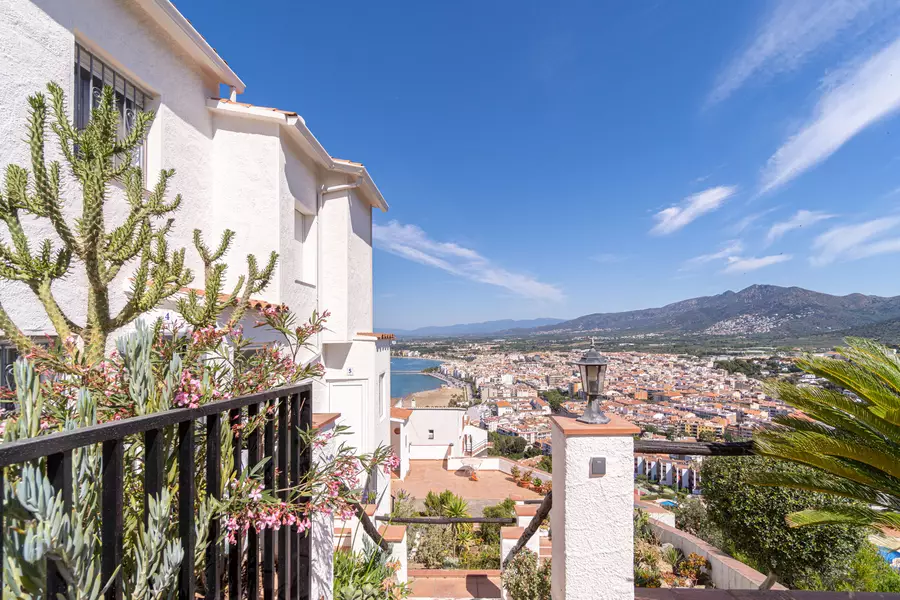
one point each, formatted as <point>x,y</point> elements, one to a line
<point>759,310</point>
<point>485,328</point>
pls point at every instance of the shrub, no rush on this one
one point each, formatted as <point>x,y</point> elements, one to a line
<point>366,575</point>
<point>692,567</point>
<point>525,579</point>
<point>691,516</point>
<point>753,518</point>
<point>434,546</point>
<point>647,577</point>
<point>490,532</point>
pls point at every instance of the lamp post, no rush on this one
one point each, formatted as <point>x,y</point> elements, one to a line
<point>592,368</point>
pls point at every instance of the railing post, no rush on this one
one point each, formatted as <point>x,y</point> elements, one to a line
<point>111,506</point>
<point>268,562</point>
<point>186,585</point>
<point>284,533</point>
<point>591,518</point>
<point>214,490</point>
<point>235,554</point>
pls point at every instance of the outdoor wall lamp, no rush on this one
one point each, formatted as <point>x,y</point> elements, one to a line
<point>592,367</point>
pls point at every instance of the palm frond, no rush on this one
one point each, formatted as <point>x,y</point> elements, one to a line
<point>780,445</point>
<point>844,515</point>
<point>826,484</point>
<point>836,410</point>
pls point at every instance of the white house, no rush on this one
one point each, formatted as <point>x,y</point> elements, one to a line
<point>258,171</point>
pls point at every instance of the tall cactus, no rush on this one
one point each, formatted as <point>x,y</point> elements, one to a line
<point>96,156</point>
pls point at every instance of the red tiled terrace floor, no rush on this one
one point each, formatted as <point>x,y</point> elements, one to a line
<point>430,476</point>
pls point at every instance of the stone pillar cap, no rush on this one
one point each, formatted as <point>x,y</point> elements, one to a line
<point>617,426</point>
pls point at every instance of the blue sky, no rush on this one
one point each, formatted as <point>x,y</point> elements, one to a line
<point>585,157</point>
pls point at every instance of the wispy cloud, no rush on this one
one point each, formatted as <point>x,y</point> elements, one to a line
<point>608,258</point>
<point>863,96</point>
<point>790,34</point>
<point>802,218</point>
<point>737,264</point>
<point>674,218</point>
<point>852,242</point>
<point>891,193</point>
<point>412,243</point>
<point>731,249</point>
<point>749,220</point>
<point>730,256</point>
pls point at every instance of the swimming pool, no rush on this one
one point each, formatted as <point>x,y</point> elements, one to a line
<point>888,554</point>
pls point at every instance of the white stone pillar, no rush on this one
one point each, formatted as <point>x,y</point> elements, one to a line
<point>510,535</point>
<point>322,530</point>
<point>525,513</point>
<point>591,519</point>
<point>395,535</point>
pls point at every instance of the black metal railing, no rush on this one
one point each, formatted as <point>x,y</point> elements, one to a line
<point>291,574</point>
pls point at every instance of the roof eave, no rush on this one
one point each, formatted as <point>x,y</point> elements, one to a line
<point>181,30</point>
<point>297,129</point>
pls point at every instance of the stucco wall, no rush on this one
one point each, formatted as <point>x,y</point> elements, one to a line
<point>359,266</point>
<point>298,228</point>
<point>246,193</point>
<point>587,509</point>
<point>447,426</point>
<point>334,216</point>
<point>726,572</point>
<point>37,42</point>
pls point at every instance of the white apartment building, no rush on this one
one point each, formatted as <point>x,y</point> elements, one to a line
<point>258,171</point>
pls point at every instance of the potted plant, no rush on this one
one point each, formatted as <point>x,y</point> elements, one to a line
<point>525,481</point>
<point>536,484</point>
<point>516,474</point>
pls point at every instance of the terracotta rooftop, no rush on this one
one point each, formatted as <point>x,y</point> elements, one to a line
<point>255,303</point>
<point>322,419</point>
<point>376,335</point>
<point>245,105</point>
<point>400,413</point>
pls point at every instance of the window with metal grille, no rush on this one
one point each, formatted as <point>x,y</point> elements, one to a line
<point>91,75</point>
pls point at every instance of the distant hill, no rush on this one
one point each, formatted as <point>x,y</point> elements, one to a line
<point>484,328</point>
<point>887,332</point>
<point>756,310</point>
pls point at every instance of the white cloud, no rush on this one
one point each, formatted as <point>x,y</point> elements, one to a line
<point>737,264</point>
<point>734,263</point>
<point>731,249</point>
<point>851,242</point>
<point>865,95</point>
<point>410,242</point>
<point>802,218</point>
<point>674,218</point>
<point>790,35</point>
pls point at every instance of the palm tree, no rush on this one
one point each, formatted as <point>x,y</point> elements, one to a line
<point>853,437</point>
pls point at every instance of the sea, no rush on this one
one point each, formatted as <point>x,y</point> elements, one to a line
<point>407,377</point>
